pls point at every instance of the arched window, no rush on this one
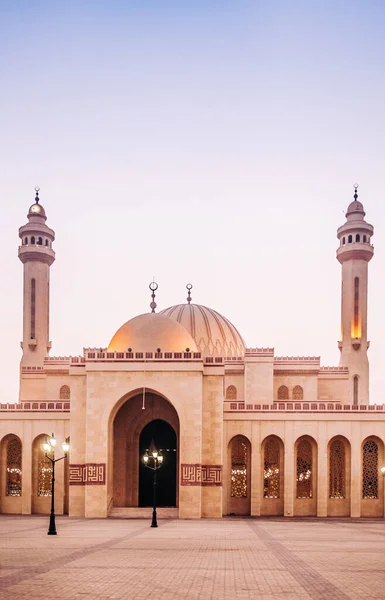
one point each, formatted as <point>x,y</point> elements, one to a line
<point>26,240</point>
<point>283,393</point>
<point>357,237</point>
<point>337,467</point>
<point>370,470</point>
<point>350,239</point>
<point>231,393</point>
<point>298,393</point>
<point>44,472</point>
<point>65,392</point>
<point>33,239</point>
<point>271,475</point>
<point>355,390</point>
<point>304,470</point>
<point>46,242</point>
<point>40,241</point>
<point>343,241</point>
<point>356,315</point>
<point>13,482</point>
<point>364,238</point>
<point>33,308</point>
<point>238,469</point>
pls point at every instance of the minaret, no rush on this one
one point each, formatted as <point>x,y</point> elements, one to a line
<point>354,253</point>
<point>37,256</point>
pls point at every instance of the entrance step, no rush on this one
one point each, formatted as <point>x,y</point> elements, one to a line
<point>135,512</point>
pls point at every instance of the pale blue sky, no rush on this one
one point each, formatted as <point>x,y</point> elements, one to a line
<point>211,142</point>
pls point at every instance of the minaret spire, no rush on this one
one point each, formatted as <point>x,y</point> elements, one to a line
<point>37,256</point>
<point>354,253</point>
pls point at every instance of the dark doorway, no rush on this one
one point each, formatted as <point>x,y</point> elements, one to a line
<point>164,438</point>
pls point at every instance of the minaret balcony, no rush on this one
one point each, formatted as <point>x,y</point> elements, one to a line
<point>36,252</point>
<point>355,251</point>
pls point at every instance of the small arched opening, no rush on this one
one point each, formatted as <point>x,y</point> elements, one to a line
<point>273,476</point>
<point>11,468</point>
<point>339,477</point>
<point>239,456</point>
<point>305,504</point>
<point>372,484</point>
<point>283,393</point>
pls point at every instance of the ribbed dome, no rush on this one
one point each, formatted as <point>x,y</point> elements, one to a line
<point>150,331</point>
<point>213,334</point>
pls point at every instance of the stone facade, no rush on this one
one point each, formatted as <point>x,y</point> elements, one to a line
<point>255,433</point>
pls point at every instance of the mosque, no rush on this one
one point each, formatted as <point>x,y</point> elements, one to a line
<point>241,431</point>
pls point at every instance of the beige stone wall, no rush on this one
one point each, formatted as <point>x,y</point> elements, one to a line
<point>32,387</point>
<point>259,380</point>
<point>307,382</point>
<point>238,382</point>
<point>335,389</point>
<point>212,440</point>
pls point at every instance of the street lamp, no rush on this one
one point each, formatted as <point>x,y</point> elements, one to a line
<point>49,448</point>
<point>153,461</point>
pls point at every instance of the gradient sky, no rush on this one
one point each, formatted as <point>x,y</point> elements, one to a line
<point>211,142</point>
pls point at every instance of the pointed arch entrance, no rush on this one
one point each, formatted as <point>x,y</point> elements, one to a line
<point>133,429</point>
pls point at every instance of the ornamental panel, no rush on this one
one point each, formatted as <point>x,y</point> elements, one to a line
<point>304,470</point>
<point>370,470</point>
<point>271,475</point>
<point>238,469</point>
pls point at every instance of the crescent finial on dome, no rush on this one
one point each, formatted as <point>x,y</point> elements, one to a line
<point>153,287</point>
<point>189,288</point>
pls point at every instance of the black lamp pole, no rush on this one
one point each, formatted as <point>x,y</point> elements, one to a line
<point>154,522</point>
<point>49,446</point>
<point>157,460</point>
<point>52,524</point>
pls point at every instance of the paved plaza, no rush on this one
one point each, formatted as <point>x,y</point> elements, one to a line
<point>194,560</point>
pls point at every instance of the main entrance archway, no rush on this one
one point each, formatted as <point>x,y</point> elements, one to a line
<point>133,429</point>
<point>164,437</point>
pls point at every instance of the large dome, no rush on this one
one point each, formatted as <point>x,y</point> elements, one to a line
<point>213,334</point>
<point>150,331</point>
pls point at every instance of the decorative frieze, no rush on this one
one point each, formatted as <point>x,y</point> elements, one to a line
<point>88,474</point>
<point>197,474</point>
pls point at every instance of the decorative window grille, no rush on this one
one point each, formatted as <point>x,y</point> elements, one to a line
<point>65,392</point>
<point>271,475</point>
<point>298,393</point>
<point>231,393</point>
<point>304,470</point>
<point>370,470</point>
<point>356,303</point>
<point>238,469</point>
<point>33,309</point>
<point>283,393</point>
<point>337,469</point>
<point>13,483</point>
<point>44,474</point>
<point>355,390</point>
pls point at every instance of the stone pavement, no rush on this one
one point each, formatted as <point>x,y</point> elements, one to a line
<point>192,560</point>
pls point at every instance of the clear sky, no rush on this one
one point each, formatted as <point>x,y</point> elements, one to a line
<point>211,142</point>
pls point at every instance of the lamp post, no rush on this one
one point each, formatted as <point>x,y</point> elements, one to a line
<point>49,448</point>
<point>153,461</point>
